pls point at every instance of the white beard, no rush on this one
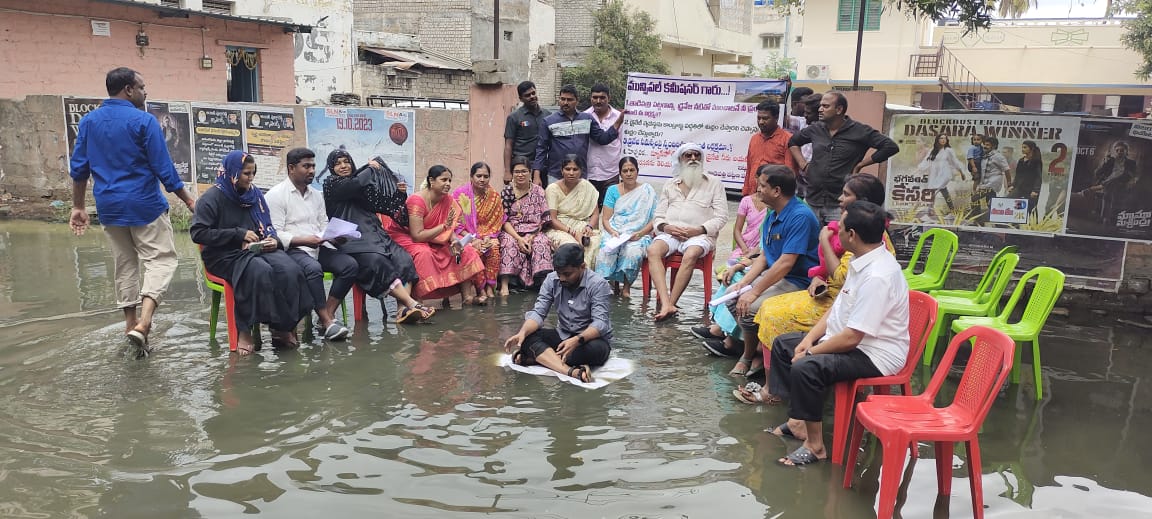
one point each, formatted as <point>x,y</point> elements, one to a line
<point>691,173</point>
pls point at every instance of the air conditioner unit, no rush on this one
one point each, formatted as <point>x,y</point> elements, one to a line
<point>816,72</point>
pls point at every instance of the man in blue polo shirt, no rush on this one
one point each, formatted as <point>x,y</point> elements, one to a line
<point>567,132</point>
<point>121,147</point>
<point>789,240</point>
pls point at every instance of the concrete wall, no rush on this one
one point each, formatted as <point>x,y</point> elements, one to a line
<point>443,27</point>
<point>324,57</point>
<point>544,65</point>
<point>487,110</point>
<point>442,138</point>
<point>47,47</point>
<point>576,18</point>
<point>514,18</point>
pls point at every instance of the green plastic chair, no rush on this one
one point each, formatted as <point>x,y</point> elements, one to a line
<point>985,303</point>
<point>1049,284</point>
<point>938,262</point>
<point>984,281</point>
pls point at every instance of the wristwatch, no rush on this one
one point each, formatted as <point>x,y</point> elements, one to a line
<point>580,339</point>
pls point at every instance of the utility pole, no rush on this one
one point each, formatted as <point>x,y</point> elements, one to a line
<point>496,30</point>
<point>859,44</point>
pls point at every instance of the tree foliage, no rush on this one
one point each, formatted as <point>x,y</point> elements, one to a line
<point>626,41</point>
<point>972,14</point>
<point>1138,32</point>
<point>776,67</point>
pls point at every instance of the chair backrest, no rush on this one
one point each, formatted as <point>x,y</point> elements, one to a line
<point>984,375</point>
<point>1001,273</point>
<point>1049,283</point>
<point>940,253</point>
<point>922,311</point>
<point>990,272</point>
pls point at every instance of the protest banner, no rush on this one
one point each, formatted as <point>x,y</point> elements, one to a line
<point>365,133</point>
<point>75,108</point>
<point>930,181</point>
<point>267,131</point>
<point>216,132</point>
<point>719,114</point>
<point>174,122</point>
<point>1111,192</point>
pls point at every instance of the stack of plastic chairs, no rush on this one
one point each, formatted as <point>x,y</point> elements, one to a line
<point>984,301</point>
<point>937,263</point>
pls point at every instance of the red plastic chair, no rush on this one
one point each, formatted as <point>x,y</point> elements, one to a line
<point>922,311</point>
<point>898,421</point>
<point>219,288</point>
<point>704,265</point>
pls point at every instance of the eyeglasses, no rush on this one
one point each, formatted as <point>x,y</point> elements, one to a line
<point>691,155</point>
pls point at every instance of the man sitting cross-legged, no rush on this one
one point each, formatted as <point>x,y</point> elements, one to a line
<point>864,334</point>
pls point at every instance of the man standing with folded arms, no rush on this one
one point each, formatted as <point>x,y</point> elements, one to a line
<point>121,147</point>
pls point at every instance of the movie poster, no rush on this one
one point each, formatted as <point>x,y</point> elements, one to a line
<point>174,122</point>
<point>1000,171</point>
<point>1111,192</point>
<point>75,108</point>
<point>268,131</point>
<point>366,133</point>
<point>216,132</point>
<point>719,114</point>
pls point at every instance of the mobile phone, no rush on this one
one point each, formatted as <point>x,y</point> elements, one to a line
<point>820,290</point>
<point>256,247</point>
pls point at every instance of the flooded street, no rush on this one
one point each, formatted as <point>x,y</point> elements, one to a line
<point>419,421</point>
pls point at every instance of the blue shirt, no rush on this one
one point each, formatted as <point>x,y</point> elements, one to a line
<point>122,148</point>
<point>793,230</point>
<point>561,136</point>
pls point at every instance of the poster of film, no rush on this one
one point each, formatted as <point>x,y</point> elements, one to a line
<point>1111,192</point>
<point>719,114</point>
<point>1001,171</point>
<point>365,133</point>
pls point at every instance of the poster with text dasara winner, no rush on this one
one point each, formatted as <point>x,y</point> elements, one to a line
<point>1001,171</point>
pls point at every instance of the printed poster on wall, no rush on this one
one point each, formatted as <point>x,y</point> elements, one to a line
<point>365,133</point>
<point>1111,193</point>
<point>1017,180</point>
<point>75,108</point>
<point>216,132</point>
<point>174,122</point>
<point>268,131</point>
<point>719,114</point>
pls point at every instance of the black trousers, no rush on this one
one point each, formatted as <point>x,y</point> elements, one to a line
<point>594,353</point>
<point>602,188</point>
<point>806,382</point>
<point>342,267</point>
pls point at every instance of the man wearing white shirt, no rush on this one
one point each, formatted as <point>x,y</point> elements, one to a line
<point>864,334</point>
<point>298,215</point>
<point>603,159</point>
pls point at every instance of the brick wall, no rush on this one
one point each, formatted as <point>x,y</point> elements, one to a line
<point>442,27</point>
<point>574,29</point>
<point>546,73</point>
<point>436,83</point>
<point>47,47</point>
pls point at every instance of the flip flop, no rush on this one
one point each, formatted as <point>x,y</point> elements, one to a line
<point>139,341</point>
<point>755,397</point>
<point>737,372</point>
<point>426,312</point>
<point>585,373</point>
<point>785,431</point>
<point>408,315</point>
<point>799,457</point>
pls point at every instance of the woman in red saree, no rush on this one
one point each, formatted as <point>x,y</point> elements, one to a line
<point>444,266</point>
<point>483,217</point>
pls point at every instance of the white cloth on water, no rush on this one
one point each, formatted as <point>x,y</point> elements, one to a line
<point>615,369</point>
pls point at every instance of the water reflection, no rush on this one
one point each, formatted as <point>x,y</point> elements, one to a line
<point>418,421</point>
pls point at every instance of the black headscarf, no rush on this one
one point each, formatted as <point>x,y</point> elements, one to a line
<point>380,194</point>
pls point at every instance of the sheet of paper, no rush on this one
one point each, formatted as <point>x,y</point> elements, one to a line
<point>729,296</point>
<point>615,369</point>
<point>613,243</point>
<point>467,239</point>
<point>338,228</point>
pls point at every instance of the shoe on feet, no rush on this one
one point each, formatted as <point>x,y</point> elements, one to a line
<point>704,332</point>
<point>336,332</point>
<point>718,348</point>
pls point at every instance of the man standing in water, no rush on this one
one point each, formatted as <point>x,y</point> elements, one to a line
<point>122,148</point>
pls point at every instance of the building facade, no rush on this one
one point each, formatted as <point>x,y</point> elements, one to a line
<point>183,54</point>
<point>1056,65</point>
<point>696,36</point>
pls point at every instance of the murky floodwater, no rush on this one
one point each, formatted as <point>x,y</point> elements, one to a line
<point>419,422</point>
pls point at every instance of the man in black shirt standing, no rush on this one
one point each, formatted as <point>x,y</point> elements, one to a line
<point>522,127</point>
<point>838,148</point>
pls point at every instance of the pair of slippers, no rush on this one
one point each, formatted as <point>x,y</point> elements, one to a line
<point>751,394</point>
<point>417,313</point>
<point>799,457</point>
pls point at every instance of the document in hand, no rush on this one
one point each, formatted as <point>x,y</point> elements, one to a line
<point>614,243</point>
<point>729,296</point>
<point>338,228</point>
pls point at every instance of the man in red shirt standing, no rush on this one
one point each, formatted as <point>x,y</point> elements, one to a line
<point>770,146</point>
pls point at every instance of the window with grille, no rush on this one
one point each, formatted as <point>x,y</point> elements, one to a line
<point>218,6</point>
<point>171,3</point>
<point>848,15</point>
<point>771,41</point>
